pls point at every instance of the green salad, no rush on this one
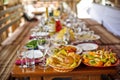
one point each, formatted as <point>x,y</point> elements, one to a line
<point>32,44</point>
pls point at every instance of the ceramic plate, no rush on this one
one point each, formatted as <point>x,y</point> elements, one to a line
<point>84,36</point>
<point>33,53</point>
<point>88,46</point>
<point>79,50</point>
<point>40,34</point>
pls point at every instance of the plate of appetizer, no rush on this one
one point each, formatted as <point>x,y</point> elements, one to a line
<point>100,58</point>
<point>64,58</point>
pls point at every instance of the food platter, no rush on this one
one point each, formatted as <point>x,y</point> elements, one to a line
<point>64,59</point>
<point>100,58</point>
<point>113,65</point>
<point>88,46</point>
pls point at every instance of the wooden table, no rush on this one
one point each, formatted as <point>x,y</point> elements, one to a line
<point>82,72</point>
<point>39,73</point>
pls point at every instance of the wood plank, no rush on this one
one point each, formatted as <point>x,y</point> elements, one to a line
<point>56,77</point>
<point>90,22</point>
<point>10,10</point>
<point>94,77</point>
<point>25,33</point>
<point>7,57</point>
<point>16,35</point>
<point>9,24</point>
<point>81,77</point>
<point>2,53</point>
<point>35,78</point>
<point>106,36</point>
<point>9,17</point>
<point>9,20</point>
<point>4,35</point>
<point>6,73</point>
<point>14,26</point>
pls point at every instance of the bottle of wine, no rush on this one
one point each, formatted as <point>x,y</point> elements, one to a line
<point>47,15</point>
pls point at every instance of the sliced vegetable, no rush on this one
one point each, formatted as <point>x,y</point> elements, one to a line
<point>99,58</point>
<point>33,43</point>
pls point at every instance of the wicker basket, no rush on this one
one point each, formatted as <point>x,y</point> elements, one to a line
<point>59,69</point>
<point>62,69</point>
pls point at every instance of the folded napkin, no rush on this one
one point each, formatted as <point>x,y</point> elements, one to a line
<point>32,37</point>
<point>18,62</point>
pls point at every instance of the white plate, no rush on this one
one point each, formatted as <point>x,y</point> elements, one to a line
<point>79,50</point>
<point>88,46</point>
<point>40,34</point>
<point>84,36</point>
<point>33,53</point>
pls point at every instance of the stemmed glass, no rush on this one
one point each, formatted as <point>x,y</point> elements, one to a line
<point>43,45</point>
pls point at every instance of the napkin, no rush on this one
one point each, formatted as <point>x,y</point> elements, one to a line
<point>32,37</point>
<point>18,62</point>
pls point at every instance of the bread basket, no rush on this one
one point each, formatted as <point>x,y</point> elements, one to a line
<point>64,59</point>
<point>65,69</point>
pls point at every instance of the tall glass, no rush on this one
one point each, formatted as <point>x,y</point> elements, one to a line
<point>30,62</point>
<point>43,45</point>
<point>20,57</point>
<point>21,53</point>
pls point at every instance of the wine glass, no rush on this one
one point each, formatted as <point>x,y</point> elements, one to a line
<point>43,44</point>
